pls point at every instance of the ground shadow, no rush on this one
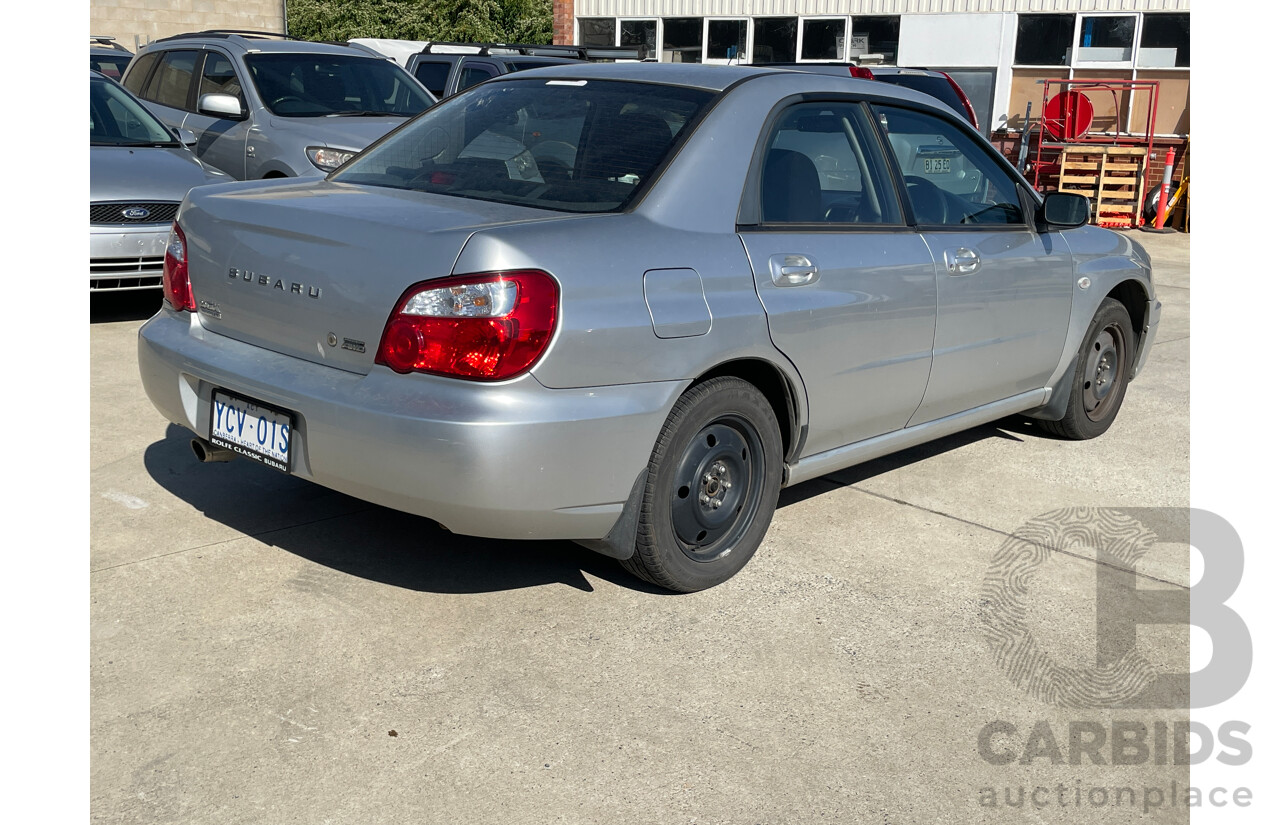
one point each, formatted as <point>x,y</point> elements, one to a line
<point>403,550</point>
<point>363,539</point>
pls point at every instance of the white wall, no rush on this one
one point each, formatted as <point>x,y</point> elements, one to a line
<point>950,39</point>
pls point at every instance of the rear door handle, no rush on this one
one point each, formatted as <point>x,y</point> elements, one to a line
<point>792,270</point>
<point>962,261</point>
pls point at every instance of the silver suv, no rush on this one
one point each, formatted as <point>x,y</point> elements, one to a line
<point>262,106</point>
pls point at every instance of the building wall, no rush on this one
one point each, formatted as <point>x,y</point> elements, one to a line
<point>136,22</point>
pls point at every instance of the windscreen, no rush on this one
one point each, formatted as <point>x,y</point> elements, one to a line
<point>326,85</point>
<point>570,145</point>
<point>116,119</point>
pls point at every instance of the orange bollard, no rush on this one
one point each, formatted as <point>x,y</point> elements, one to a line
<point>1163,203</point>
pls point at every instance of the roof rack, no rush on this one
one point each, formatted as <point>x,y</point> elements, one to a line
<point>226,33</point>
<point>534,49</point>
<point>106,41</point>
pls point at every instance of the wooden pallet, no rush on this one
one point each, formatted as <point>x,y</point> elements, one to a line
<point>1110,177</point>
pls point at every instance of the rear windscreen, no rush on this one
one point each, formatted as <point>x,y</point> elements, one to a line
<point>571,145</point>
<point>935,86</point>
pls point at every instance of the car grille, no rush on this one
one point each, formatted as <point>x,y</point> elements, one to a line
<point>111,274</point>
<point>101,214</point>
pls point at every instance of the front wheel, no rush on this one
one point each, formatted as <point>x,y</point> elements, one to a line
<point>711,488</point>
<point>1101,377</point>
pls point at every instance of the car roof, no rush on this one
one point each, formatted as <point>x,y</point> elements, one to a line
<point>260,42</point>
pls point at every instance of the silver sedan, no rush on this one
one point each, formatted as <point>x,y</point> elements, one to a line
<point>139,172</point>
<point>626,304</point>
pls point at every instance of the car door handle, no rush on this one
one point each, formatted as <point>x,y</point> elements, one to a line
<point>792,270</point>
<point>961,261</point>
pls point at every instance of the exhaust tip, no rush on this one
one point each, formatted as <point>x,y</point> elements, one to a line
<point>207,453</point>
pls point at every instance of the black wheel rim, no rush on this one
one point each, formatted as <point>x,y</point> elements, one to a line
<point>717,488</point>
<point>1104,372</point>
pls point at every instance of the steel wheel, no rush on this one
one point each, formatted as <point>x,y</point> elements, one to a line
<point>711,488</point>
<point>1101,375</point>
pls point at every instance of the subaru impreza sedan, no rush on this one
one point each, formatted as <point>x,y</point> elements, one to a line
<point>626,304</point>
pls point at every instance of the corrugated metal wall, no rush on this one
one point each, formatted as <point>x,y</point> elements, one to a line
<point>760,8</point>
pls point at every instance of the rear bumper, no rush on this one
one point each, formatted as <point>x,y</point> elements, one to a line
<point>510,460</point>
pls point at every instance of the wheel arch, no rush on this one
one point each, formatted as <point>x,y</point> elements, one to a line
<point>779,388</point>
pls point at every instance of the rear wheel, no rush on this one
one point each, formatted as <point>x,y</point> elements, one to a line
<point>1101,377</point>
<point>711,488</point>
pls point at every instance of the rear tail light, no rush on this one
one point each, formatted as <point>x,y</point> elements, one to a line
<point>964,98</point>
<point>861,72</point>
<point>485,327</point>
<point>177,281</point>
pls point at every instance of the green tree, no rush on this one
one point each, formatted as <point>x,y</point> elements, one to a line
<point>500,21</point>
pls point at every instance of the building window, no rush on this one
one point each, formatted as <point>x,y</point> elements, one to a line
<point>595,31</point>
<point>641,34</point>
<point>1166,41</point>
<point>726,39</point>
<point>823,39</point>
<point>682,40</point>
<point>1106,39</point>
<point>775,40</point>
<point>880,36</point>
<point>1044,39</point>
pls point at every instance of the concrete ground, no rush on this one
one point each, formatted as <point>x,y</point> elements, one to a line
<point>267,651</point>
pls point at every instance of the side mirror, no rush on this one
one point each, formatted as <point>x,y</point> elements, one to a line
<point>185,136</point>
<point>221,106</point>
<point>1065,209</point>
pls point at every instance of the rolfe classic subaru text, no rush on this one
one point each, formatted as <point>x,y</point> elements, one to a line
<point>626,304</point>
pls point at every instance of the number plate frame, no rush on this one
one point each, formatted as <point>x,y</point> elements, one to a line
<point>274,417</point>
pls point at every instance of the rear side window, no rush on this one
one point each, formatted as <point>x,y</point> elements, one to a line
<point>172,80</point>
<point>951,179</point>
<point>575,146</point>
<point>433,76</point>
<point>138,72</point>
<point>821,165</point>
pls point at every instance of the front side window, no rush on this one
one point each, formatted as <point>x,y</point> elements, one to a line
<point>473,73</point>
<point>951,180</point>
<point>821,166</point>
<point>433,75</point>
<point>172,80</point>
<point>325,85</point>
<point>219,78</point>
<point>574,146</point>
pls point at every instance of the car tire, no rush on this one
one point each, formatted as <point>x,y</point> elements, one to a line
<point>1101,377</point>
<point>711,488</point>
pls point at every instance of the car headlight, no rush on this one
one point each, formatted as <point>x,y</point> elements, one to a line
<point>327,158</point>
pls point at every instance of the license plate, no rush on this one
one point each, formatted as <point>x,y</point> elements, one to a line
<point>937,166</point>
<point>251,429</point>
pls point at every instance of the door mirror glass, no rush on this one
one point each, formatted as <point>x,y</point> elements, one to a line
<point>1065,209</point>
